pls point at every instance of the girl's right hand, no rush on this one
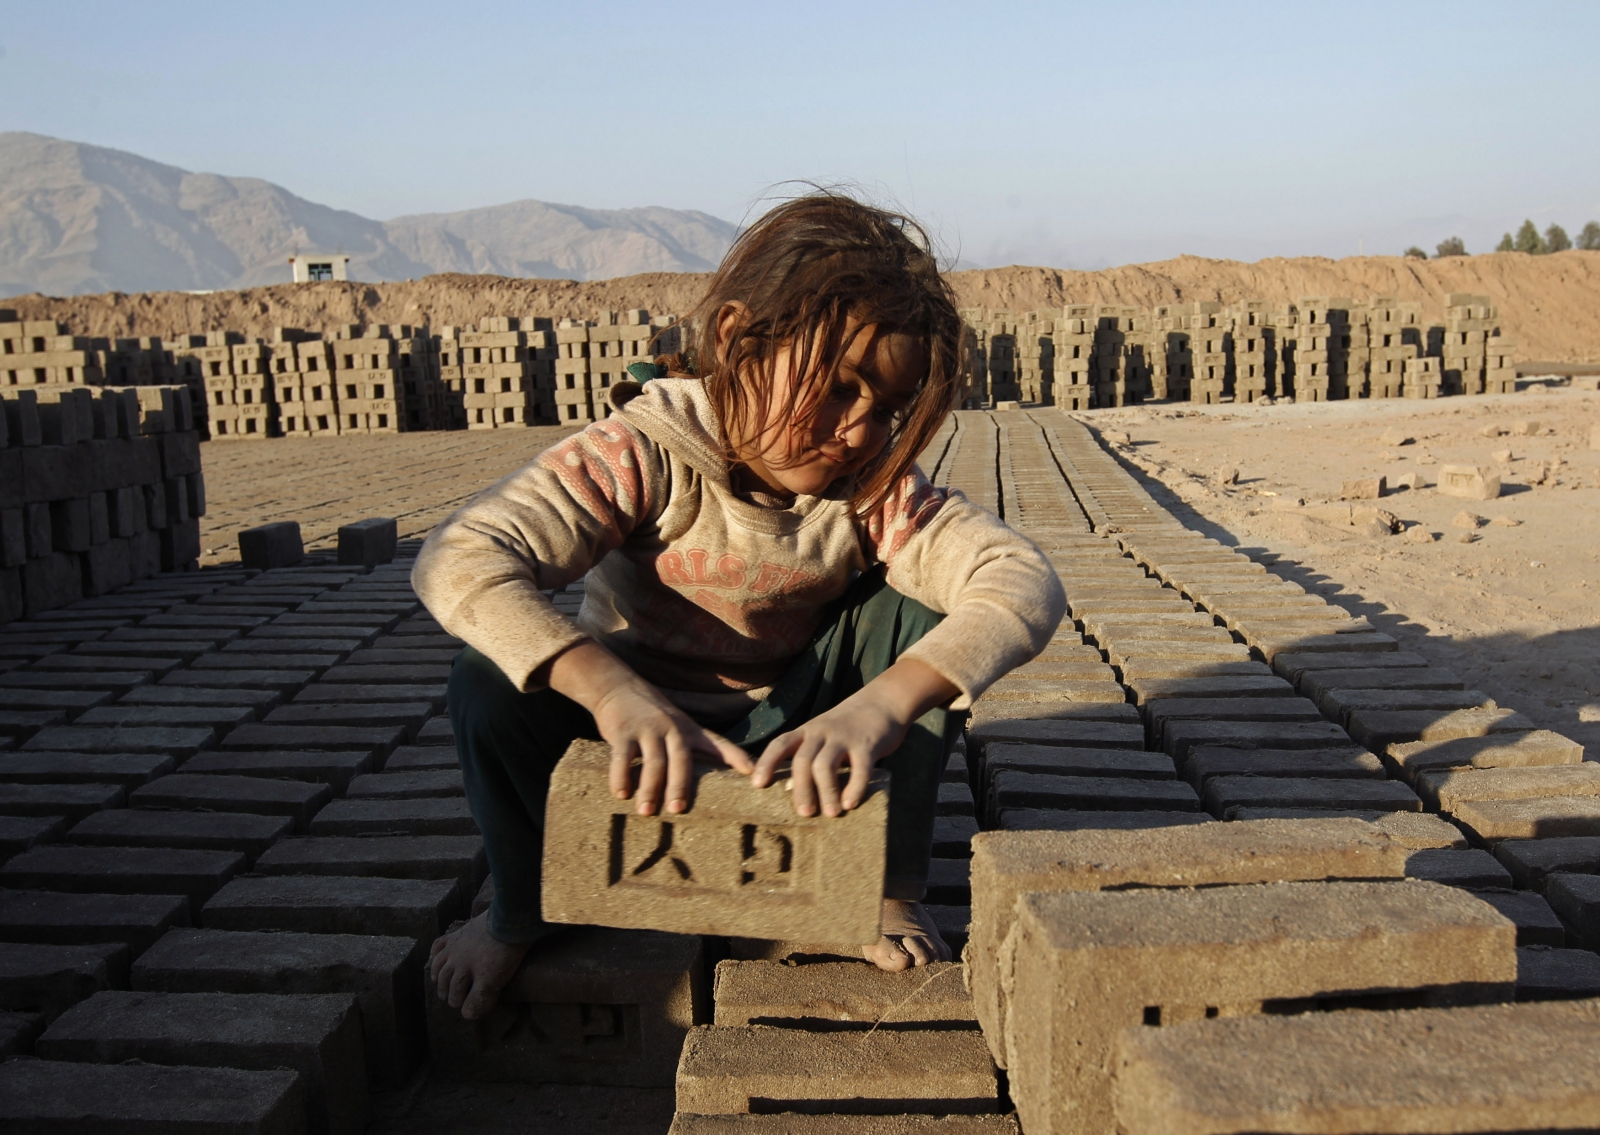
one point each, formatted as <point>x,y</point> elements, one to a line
<point>640,723</point>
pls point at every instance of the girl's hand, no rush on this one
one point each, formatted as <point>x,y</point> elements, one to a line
<point>639,722</point>
<point>860,731</point>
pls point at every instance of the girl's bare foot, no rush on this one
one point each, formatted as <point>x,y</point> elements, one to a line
<point>470,968</point>
<point>909,938</point>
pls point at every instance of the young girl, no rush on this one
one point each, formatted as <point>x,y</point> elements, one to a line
<point>767,569</point>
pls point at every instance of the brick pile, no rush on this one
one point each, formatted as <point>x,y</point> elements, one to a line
<point>595,354</point>
<point>1222,858</point>
<point>507,373</point>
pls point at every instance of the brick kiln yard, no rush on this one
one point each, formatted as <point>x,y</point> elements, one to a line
<point>1236,787</point>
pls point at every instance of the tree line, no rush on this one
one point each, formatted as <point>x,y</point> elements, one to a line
<point>1528,239</point>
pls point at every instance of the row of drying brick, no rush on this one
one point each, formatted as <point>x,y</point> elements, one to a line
<point>313,829</point>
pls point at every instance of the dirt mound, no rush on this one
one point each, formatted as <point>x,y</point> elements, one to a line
<point>1550,304</point>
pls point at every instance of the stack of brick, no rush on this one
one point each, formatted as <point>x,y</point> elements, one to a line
<point>507,372</point>
<point>1171,358</point>
<point>382,378</point>
<point>1394,335</point>
<point>974,361</point>
<point>617,340</point>
<point>1114,372</point>
<point>1211,347</point>
<point>99,486</point>
<point>39,352</point>
<point>1073,355</point>
<point>1500,372</point>
<point>1317,371</point>
<point>1255,351</point>
<point>1354,343</point>
<point>1035,357</point>
<point>449,365</point>
<point>1002,342</point>
<point>1469,322</point>
<point>306,393</point>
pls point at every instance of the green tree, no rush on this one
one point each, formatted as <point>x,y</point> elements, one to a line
<point>1589,238</point>
<point>1556,239</point>
<point>1529,240</point>
<point>1452,246</point>
<point>1506,244</point>
<point>1415,253</point>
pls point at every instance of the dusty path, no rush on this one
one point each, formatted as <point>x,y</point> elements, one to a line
<point>1515,612</point>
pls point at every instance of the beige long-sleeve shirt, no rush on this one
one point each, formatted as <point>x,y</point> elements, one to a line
<point>705,594</point>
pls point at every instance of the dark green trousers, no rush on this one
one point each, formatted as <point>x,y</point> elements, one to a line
<point>509,742</point>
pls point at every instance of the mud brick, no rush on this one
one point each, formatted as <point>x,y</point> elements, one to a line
<point>1074,820</point>
<point>389,857</point>
<point>1576,898</point>
<point>1512,750</point>
<point>448,816</point>
<point>1225,686</point>
<point>738,1069</point>
<point>1349,763</point>
<point>320,645</point>
<point>949,882</point>
<point>1181,736</point>
<point>325,620</point>
<point>219,718</point>
<point>191,640</point>
<point>172,741</point>
<point>595,1006</point>
<point>1128,651</point>
<point>104,667</point>
<point>1127,634</point>
<point>841,996</point>
<point>286,682</point>
<point>1445,789</point>
<point>72,801</point>
<point>389,610</point>
<point>436,731</point>
<point>1055,731</point>
<point>317,1035</point>
<point>335,769</point>
<point>71,869</point>
<point>347,694</point>
<point>257,701</point>
<point>215,793</point>
<point>327,904</point>
<point>1315,683</point>
<point>1006,865</point>
<point>71,701</point>
<point>1078,669</point>
<point>20,724</point>
<point>421,758</point>
<point>1089,965</point>
<point>1225,793</point>
<point>1066,760</point>
<point>1531,861</point>
<point>286,636</point>
<point>209,621</point>
<point>1156,670</point>
<point>115,1099</point>
<point>378,740</point>
<point>1292,665</point>
<point>396,655</point>
<point>1543,818</point>
<point>378,716</point>
<point>232,660</point>
<point>1546,974</point>
<point>242,832</point>
<point>271,546</point>
<point>1473,869</point>
<point>46,980</point>
<point>18,833</point>
<point>739,862</point>
<point>952,836</point>
<point>384,974</point>
<point>441,782</point>
<point>79,919</point>
<point>1008,789</point>
<point>367,543</point>
<point>1159,714</point>
<point>1430,1069</point>
<point>1536,923</point>
<point>371,675</point>
<point>127,769</point>
<point>113,682</point>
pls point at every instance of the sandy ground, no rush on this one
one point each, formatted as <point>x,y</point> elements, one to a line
<point>1515,612</point>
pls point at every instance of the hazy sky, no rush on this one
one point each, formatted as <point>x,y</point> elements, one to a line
<point>1065,134</point>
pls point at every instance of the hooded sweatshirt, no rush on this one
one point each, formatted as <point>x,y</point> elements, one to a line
<point>702,592</point>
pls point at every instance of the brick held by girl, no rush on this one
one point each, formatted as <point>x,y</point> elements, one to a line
<point>772,581</point>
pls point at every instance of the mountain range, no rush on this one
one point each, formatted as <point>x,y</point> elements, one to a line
<point>76,218</point>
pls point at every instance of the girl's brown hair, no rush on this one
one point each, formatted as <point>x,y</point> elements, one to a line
<point>813,273</point>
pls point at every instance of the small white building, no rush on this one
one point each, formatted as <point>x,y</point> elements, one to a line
<point>310,267</point>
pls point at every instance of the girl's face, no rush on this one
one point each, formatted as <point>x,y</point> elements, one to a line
<point>856,409</point>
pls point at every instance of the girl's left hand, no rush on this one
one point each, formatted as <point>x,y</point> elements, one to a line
<point>859,731</point>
